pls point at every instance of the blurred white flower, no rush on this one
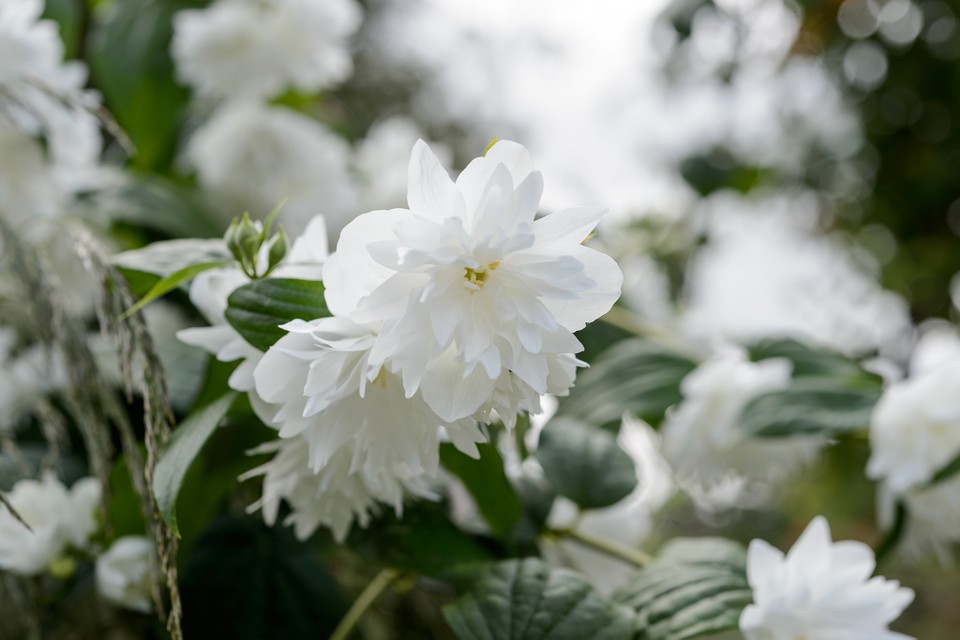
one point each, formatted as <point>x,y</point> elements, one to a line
<point>259,48</point>
<point>914,433</point>
<point>123,573</point>
<point>209,292</point>
<point>495,289</point>
<point>58,518</point>
<point>252,157</point>
<point>820,589</point>
<point>333,497</point>
<point>380,161</point>
<point>316,377</point>
<point>702,437</point>
<point>765,272</point>
<point>25,377</point>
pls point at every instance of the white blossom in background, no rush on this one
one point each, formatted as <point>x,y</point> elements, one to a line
<point>25,377</point>
<point>123,573</point>
<point>58,518</point>
<point>766,272</point>
<point>380,162</point>
<point>466,286</point>
<point>260,48</point>
<point>209,292</point>
<point>334,497</point>
<point>820,589</point>
<point>702,436</point>
<point>252,157</point>
<point>914,433</point>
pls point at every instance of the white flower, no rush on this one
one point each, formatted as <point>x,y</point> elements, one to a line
<point>914,433</point>
<point>333,497</point>
<point>821,590</point>
<point>702,437</point>
<point>259,48</point>
<point>316,376</point>
<point>466,284</point>
<point>210,290</point>
<point>124,573</point>
<point>57,518</point>
<point>25,377</point>
<point>252,157</point>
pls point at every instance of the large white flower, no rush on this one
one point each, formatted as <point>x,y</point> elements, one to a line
<point>702,437</point>
<point>259,48</point>
<point>820,589</point>
<point>252,157</point>
<point>466,284</point>
<point>317,377</point>
<point>333,497</point>
<point>914,433</point>
<point>209,292</point>
<point>123,573</point>
<point>57,518</point>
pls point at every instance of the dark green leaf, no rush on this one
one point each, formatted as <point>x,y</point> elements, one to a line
<point>68,15</point>
<point>256,310</point>
<point>180,452</point>
<point>423,541</point>
<point>172,281</point>
<point>635,376</point>
<point>695,588</point>
<point>811,406</point>
<point>527,600</point>
<point>130,62</point>
<point>487,482</point>
<point>585,463</point>
<point>248,582</point>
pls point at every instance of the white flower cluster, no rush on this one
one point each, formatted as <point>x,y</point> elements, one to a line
<point>49,140</point>
<point>123,573</point>
<point>914,434</point>
<point>820,589</point>
<point>460,307</point>
<point>702,436</point>
<point>58,518</point>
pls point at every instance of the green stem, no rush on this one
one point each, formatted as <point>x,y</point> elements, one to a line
<point>370,594</point>
<point>633,556</point>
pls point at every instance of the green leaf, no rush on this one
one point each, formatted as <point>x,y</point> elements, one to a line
<point>809,361</point>
<point>527,600</point>
<point>246,581</point>
<point>180,452</point>
<point>170,256</point>
<point>636,376</point>
<point>585,463</point>
<point>811,406</point>
<point>161,205</point>
<point>487,482</point>
<point>68,14</point>
<point>946,472</point>
<point>128,51</point>
<point>256,310</point>
<point>695,588</point>
<point>423,541</point>
<point>171,282</point>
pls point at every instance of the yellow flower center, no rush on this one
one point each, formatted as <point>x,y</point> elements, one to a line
<point>474,279</point>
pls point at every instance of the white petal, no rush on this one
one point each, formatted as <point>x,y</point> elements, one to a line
<point>430,191</point>
<point>451,394</point>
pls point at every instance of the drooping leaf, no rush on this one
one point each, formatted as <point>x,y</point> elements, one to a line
<point>809,361</point>
<point>695,588</point>
<point>256,310</point>
<point>811,406</point>
<point>635,376</point>
<point>487,482</point>
<point>585,463</point>
<point>423,541</point>
<point>167,257</point>
<point>180,452</point>
<point>528,600</point>
<point>172,281</point>
<point>246,581</point>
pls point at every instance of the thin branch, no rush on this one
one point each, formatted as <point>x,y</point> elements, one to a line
<point>632,556</point>
<point>370,594</point>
